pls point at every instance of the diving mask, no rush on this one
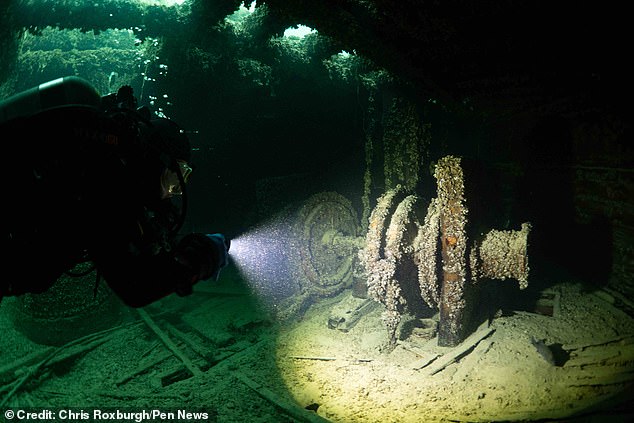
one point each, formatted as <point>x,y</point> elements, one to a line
<point>170,182</point>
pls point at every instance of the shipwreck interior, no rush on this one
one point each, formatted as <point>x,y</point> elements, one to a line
<point>430,206</point>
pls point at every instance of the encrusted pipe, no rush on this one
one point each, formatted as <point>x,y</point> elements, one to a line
<point>344,243</point>
<point>502,255</point>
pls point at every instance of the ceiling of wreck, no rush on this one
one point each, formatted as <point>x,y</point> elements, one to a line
<point>490,54</point>
<point>497,57</point>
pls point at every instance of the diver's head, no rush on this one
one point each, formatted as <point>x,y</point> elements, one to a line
<point>174,150</point>
<point>126,98</point>
<point>171,182</point>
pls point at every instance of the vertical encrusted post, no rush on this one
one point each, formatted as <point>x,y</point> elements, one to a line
<point>453,219</point>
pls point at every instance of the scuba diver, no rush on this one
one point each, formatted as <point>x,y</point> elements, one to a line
<point>94,179</point>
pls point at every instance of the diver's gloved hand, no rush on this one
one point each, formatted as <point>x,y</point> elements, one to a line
<point>222,245</point>
<point>204,255</point>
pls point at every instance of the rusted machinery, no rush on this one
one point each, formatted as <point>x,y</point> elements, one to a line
<point>327,241</point>
<point>412,256</point>
<point>447,262</point>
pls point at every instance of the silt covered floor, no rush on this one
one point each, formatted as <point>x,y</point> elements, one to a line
<point>221,352</point>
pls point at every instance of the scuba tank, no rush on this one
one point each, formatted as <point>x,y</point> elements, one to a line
<point>66,91</point>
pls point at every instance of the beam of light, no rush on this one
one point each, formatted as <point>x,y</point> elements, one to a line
<point>264,256</point>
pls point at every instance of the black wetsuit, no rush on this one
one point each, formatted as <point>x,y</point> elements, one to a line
<point>80,184</point>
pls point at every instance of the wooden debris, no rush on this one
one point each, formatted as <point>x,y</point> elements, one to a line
<point>623,340</point>
<point>51,356</point>
<point>305,357</point>
<point>604,355</point>
<point>144,368</point>
<point>602,363</point>
<point>425,357</point>
<point>171,376</point>
<point>70,351</point>
<point>293,410</point>
<point>619,353</point>
<point>603,378</point>
<point>611,371</point>
<point>620,300</point>
<point>548,304</point>
<point>134,395</point>
<point>455,354</point>
<point>225,358</point>
<point>346,319</point>
<point>8,371</point>
<point>615,299</point>
<point>151,348</point>
<point>425,361</point>
<point>418,348</point>
<point>203,351</point>
<point>169,343</point>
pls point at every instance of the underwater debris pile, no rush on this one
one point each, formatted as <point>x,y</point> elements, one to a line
<point>397,243</point>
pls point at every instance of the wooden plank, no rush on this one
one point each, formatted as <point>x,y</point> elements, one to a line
<point>425,361</point>
<point>345,319</point>
<point>288,407</point>
<point>458,352</point>
<point>306,357</point>
<point>169,343</point>
<point>143,368</point>
<point>58,356</point>
<point>622,340</point>
<point>8,371</point>
<point>317,358</point>
<point>207,353</point>
<point>598,377</point>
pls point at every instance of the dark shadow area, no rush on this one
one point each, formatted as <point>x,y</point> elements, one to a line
<point>546,198</point>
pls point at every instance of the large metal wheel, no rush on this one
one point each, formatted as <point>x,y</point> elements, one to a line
<point>375,240</point>
<point>327,233</point>
<point>427,256</point>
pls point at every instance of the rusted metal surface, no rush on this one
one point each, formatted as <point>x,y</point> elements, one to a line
<point>379,265</point>
<point>411,263</point>
<point>447,262</point>
<point>453,219</point>
<point>502,255</point>
<point>426,255</point>
<point>327,228</point>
